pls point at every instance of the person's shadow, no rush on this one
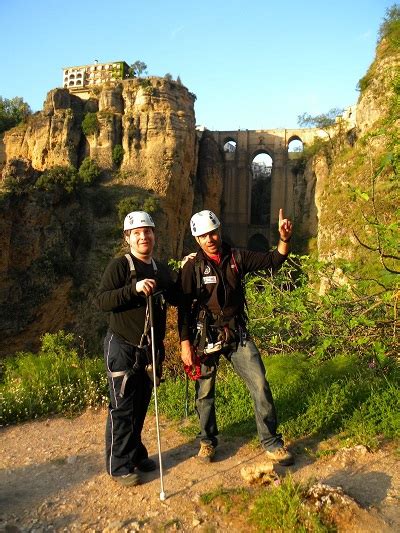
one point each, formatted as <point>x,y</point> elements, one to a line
<point>367,488</point>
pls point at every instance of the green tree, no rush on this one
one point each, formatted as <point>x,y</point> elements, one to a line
<point>89,171</point>
<point>137,69</point>
<point>90,124</point>
<point>118,155</point>
<point>12,112</point>
<point>391,23</point>
<point>59,178</point>
<point>324,122</point>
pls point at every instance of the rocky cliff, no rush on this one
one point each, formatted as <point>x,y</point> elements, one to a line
<point>55,245</point>
<point>357,192</point>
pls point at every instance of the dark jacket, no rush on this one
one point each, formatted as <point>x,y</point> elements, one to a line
<point>221,289</point>
<point>117,294</point>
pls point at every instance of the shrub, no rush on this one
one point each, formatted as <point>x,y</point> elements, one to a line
<point>54,381</point>
<point>90,124</point>
<point>12,112</point>
<point>59,177</point>
<point>89,171</point>
<point>118,155</point>
<point>16,185</point>
<point>137,202</point>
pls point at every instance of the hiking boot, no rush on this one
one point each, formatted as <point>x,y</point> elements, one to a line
<point>128,480</point>
<point>146,465</point>
<point>280,455</point>
<point>206,452</point>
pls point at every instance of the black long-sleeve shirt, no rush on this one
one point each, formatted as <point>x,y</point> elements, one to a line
<point>221,290</point>
<point>117,295</point>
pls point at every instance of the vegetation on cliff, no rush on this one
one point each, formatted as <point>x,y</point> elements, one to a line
<point>12,112</point>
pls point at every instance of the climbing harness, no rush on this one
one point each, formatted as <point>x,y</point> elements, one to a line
<point>210,338</point>
<point>142,353</point>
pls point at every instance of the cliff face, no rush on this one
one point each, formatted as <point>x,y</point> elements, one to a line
<point>55,246</point>
<point>357,192</point>
<point>50,137</point>
<point>153,121</point>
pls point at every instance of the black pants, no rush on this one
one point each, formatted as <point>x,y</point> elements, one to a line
<point>124,447</point>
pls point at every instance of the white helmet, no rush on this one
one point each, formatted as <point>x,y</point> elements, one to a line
<point>203,222</point>
<point>138,219</point>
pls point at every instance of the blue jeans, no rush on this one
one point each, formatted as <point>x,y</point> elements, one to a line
<point>247,363</point>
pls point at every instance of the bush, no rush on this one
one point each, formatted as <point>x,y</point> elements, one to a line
<point>118,155</point>
<point>54,381</point>
<point>137,202</point>
<point>17,185</point>
<point>59,177</point>
<point>286,313</point>
<point>12,112</point>
<point>89,171</point>
<point>90,124</point>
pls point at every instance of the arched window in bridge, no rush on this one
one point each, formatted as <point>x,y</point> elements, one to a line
<point>295,145</point>
<point>230,146</point>
<point>261,169</point>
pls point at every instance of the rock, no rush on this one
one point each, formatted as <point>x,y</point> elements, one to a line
<point>259,474</point>
<point>321,495</point>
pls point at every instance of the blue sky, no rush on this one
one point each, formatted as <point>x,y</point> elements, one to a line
<point>252,64</point>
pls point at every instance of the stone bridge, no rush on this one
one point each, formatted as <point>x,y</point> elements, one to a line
<point>250,205</point>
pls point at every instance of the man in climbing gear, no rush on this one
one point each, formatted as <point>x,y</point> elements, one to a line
<point>212,322</point>
<point>125,284</point>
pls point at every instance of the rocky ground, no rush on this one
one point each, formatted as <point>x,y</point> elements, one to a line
<point>53,479</point>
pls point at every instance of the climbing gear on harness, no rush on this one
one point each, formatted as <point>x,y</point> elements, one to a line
<point>148,365</point>
<point>141,360</point>
<point>206,341</point>
<point>138,219</point>
<point>153,353</point>
<point>203,222</point>
<point>195,372</point>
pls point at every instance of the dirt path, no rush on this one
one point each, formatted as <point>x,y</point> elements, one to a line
<point>53,479</point>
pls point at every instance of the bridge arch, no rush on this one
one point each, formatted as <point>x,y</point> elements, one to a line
<point>261,172</point>
<point>229,145</point>
<point>295,144</point>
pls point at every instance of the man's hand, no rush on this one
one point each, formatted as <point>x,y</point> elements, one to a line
<point>285,227</point>
<point>187,257</point>
<point>187,353</point>
<point>146,286</point>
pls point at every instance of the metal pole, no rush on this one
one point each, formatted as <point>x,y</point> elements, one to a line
<point>153,354</point>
